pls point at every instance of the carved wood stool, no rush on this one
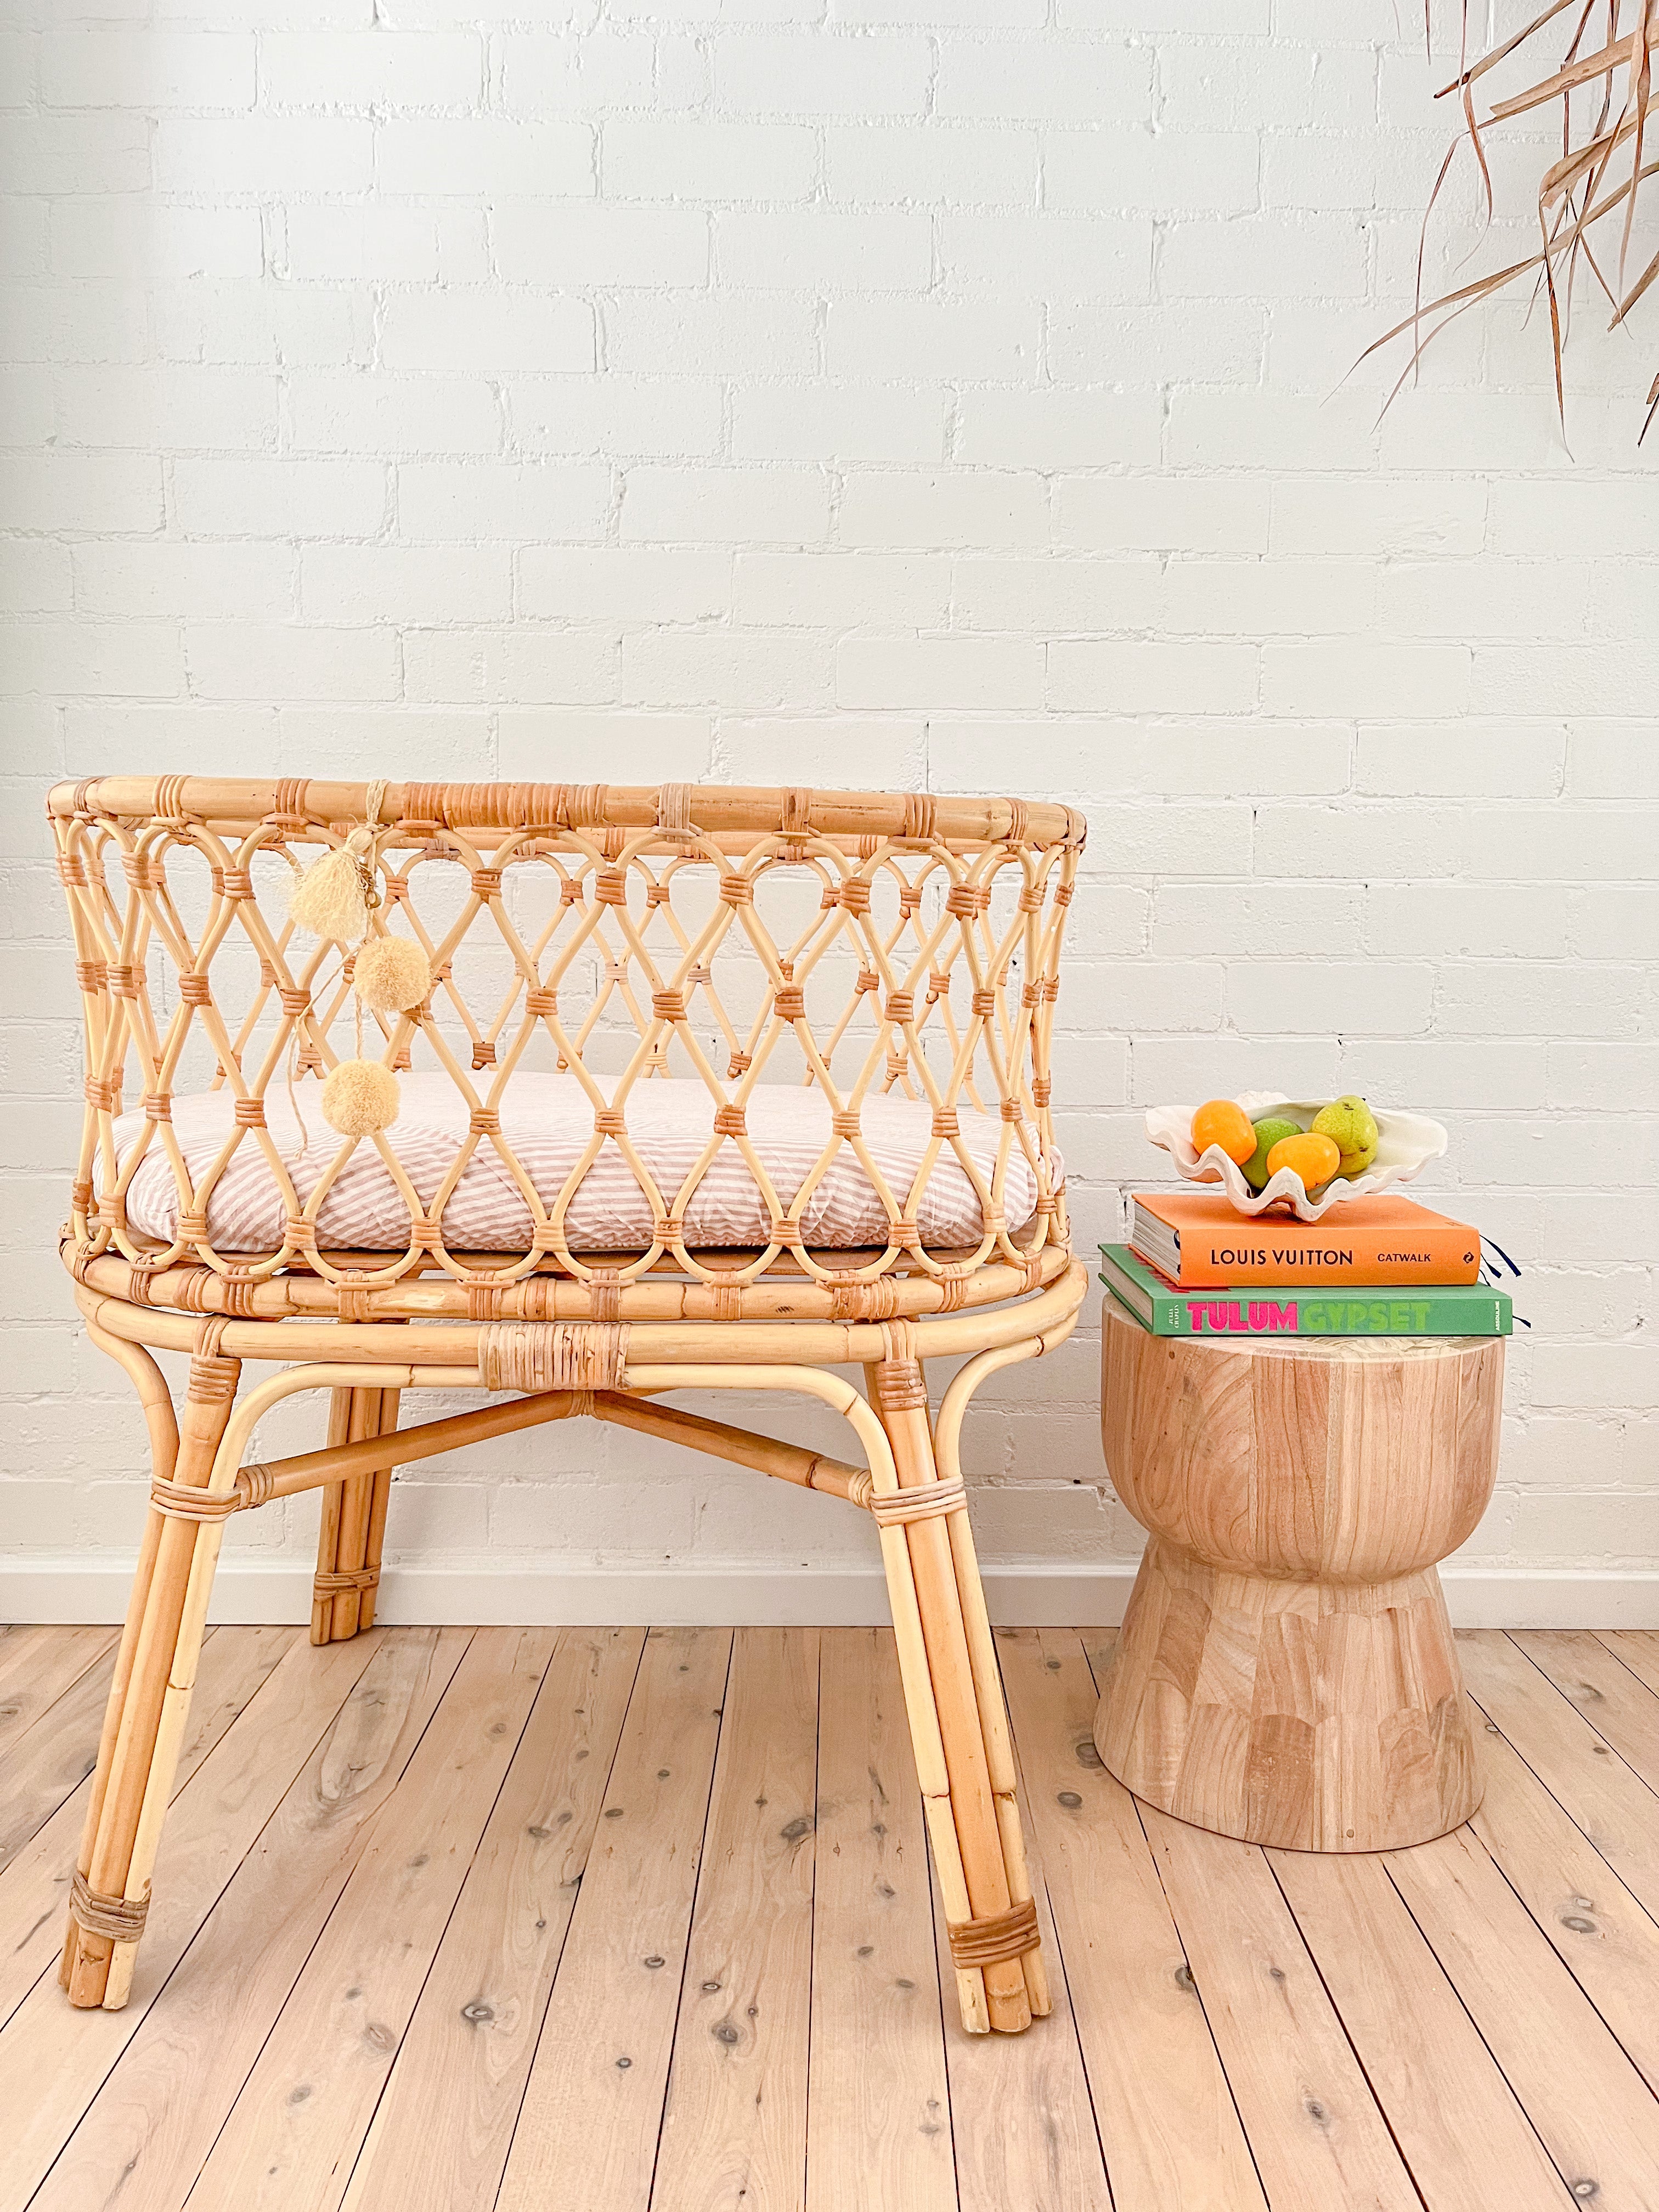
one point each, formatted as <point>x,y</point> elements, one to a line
<point>1286,1672</point>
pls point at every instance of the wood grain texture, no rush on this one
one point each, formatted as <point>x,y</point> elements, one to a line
<point>32,1689</point>
<point>878,2116</point>
<point>1638,1649</point>
<point>1455,2118</point>
<point>1022,2134</point>
<point>236,1665</point>
<point>294,2132</point>
<point>50,1763</point>
<point>1606,1798</point>
<point>441,2131</point>
<point>1317,2136</point>
<point>1172,2134</point>
<point>224,1837</point>
<point>734,2128</point>
<point>605,2043</point>
<point>1616,1703</point>
<point>1286,1673</point>
<point>1360,2032</point>
<point>1597,2118</point>
<point>1605,1939</point>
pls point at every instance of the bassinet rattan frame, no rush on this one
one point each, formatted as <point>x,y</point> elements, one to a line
<point>952,910</point>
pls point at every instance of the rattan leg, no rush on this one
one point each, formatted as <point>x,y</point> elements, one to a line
<point>140,1750</point>
<point>379,1501</point>
<point>955,1706</point>
<point>345,1575</point>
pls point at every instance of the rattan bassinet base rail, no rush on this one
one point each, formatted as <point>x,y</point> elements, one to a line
<point>747,1087</point>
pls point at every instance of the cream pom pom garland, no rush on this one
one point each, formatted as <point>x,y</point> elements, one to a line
<point>333,897</point>
<point>361,1098</point>
<point>329,899</point>
<point>391,975</point>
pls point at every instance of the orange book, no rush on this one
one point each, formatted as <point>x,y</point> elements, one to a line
<point>1198,1241</point>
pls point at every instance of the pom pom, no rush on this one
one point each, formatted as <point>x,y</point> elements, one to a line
<point>360,1097</point>
<point>328,901</point>
<point>391,975</point>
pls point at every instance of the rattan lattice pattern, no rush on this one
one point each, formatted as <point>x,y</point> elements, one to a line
<point>861,945</point>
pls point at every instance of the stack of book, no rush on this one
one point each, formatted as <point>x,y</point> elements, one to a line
<point>1375,1266</point>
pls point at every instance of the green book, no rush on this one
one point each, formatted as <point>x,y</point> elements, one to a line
<point>1429,1309</point>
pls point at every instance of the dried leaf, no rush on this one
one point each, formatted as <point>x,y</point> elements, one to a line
<point>1575,193</point>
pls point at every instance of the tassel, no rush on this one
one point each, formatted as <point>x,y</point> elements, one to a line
<point>333,897</point>
<point>329,900</point>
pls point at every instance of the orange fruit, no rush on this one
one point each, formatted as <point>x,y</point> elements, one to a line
<point>1220,1122</point>
<point>1312,1155</point>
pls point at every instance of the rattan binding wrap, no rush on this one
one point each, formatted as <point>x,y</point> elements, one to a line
<point>1000,1935</point>
<point>183,1502</point>
<point>926,1502</point>
<point>360,1578</point>
<point>551,1355</point>
<point>119,1918</point>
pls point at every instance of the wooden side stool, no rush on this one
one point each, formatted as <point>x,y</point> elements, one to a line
<point>1286,1673</point>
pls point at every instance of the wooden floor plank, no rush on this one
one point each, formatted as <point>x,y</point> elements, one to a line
<point>235,1665</point>
<point>1618,1706</point>
<point>20,1646</point>
<point>878,2124</point>
<point>1319,2139</point>
<point>1607,1799</point>
<point>33,1689</point>
<point>606,2042</point>
<point>1607,1940</point>
<point>1597,2116</point>
<point>1636,1649</point>
<point>1165,2113</point>
<point>420,1878</point>
<point>51,1764</point>
<point>1456,2120</point>
<point>251,1863</point>
<point>1021,2124</point>
<point>442,2130</point>
<point>734,2128</point>
<point>293,2133</point>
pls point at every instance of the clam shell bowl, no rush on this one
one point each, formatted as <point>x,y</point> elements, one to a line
<point>1406,1143</point>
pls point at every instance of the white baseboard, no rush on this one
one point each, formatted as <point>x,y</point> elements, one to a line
<point>1022,1596</point>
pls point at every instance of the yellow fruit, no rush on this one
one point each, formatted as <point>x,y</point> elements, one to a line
<point>1312,1156</point>
<point>1220,1122</point>
<point>1352,1126</point>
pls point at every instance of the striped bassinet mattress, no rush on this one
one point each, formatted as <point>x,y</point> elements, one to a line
<point>547,1121</point>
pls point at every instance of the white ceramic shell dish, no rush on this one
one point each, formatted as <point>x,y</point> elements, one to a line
<point>1406,1143</point>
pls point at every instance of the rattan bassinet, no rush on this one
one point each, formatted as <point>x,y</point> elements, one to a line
<point>712,1088</point>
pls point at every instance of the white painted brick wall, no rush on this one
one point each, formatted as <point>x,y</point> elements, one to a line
<point>947,393</point>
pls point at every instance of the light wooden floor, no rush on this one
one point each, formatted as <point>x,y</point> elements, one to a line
<point>592,1920</point>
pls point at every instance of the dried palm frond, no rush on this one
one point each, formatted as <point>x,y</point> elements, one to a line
<point>1600,174</point>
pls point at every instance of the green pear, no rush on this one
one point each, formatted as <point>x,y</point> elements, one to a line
<point>1352,1125</point>
<point>1267,1134</point>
